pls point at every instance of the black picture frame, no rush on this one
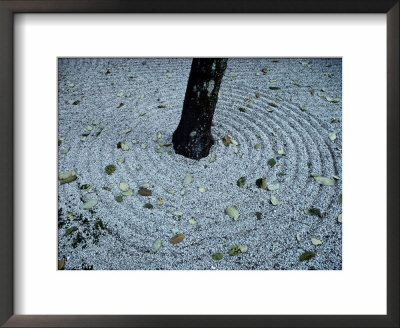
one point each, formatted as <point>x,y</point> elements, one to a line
<point>10,7</point>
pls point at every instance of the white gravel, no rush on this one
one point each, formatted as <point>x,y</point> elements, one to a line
<point>130,230</point>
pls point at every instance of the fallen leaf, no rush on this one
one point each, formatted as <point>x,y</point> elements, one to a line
<point>274,88</point>
<point>261,183</point>
<point>160,201</point>
<point>157,244</point>
<point>148,205</point>
<point>124,186</point>
<point>89,204</point>
<point>271,162</point>
<point>298,237</point>
<point>316,241</point>
<point>303,109</point>
<point>335,177</point>
<point>306,256</point>
<point>241,182</point>
<point>332,136</point>
<point>177,238</point>
<point>312,92</point>
<point>217,256</point>
<point>257,146</point>
<point>191,221</point>
<point>258,215</point>
<point>257,95</point>
<point>70,230</point>
<point>144,192</point>
<point>200,189</point>
<point>128,192</point>
<point>339,218</point>
<point>340,198</point>
<point>187,180</point>
<point>120,105</point>
<point>274,201</point>
<point>226,140</point>
<point>281,151</point>
<point>119,199</point>
<point>213,158</point>
<point>273,186</point>
<point>232,212</point>
<point>76,102</point>
<point>264,70</point>
<point>313,211</point>
<point>178,214</point>
<point>61,264</point>
<point>272,105</point>
<point>324,181</point>
<point>125,131</point>
<point>235,250</point>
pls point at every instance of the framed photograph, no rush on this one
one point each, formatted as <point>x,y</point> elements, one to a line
<point>180,164</point>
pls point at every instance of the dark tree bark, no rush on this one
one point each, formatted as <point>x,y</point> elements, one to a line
<point>192,138</point>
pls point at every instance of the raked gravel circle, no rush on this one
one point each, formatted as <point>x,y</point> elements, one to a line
<point>152,92</point>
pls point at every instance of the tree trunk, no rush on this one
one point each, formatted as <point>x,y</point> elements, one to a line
<point>192,138</point>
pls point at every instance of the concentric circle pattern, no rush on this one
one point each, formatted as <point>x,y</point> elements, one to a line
<point>289,107</point>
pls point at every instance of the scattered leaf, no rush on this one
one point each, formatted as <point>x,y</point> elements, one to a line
<point>233,75</point>
<point>144,192</point>
<point>241,182</point>
<point>339,218</point>
<point>124,186</point>
<point>335,177</point>
<point>257,146</point>
<point>269,110</point>
<point>297,85</point>
<point>234,142</point>
<point>187,180</point>
<point>122,160</point>
<point>89,204</point>
<point>274,134</point>
<point>312,92</point>
<point>157,244</point>
<point>332,136</point>
<point>235,250</point>
<point>274,201</point>
<point>271,162</point>
<point>106,188</point>
<point>191,221</point>
<point>148,205</point>
<point>178,214</point>
<point>298,237</point>
<point>264,70</point>
<point>125,131</point>
<point>172,191</point>
<point>85,187</point>
<point>323,89</point>
<point>340,198</point>
<point>143,146</point>
<point>124,146</point>
<point>303,109</point>
<point>226,140</point>
<point>243,110</point>
<point>217,256</point>
<point>110,169</point>
<point>261,183</point>
<point>272,105</point>
<point>119,199</point>
<point>200,189</point>
<point>275,88</point>
<point>313,211</point>
<point>232,212</point>
<point>61,264</point>
<point>273,186</point>
<point>213,158</point>
<point>177,238</point>
<point>65,150</point>
<point>129,192</point>
<point>120,105</point>
<point>70,230</point>
<point>281,151</point>
<point>316,241</point>
<point>324,181</point>
<point>76,102</point>
<point>259,215</point>
<point>160,201</point>
<point>328,75</point>
<point>257,95</point>
<point>306,256</point>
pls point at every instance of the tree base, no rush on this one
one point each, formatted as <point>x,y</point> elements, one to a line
<point>192,147</point>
